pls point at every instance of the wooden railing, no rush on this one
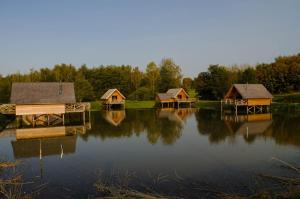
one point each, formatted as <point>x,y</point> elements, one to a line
<point>8,109</point>
<point>186,100</point>
<point>237,102</point>
<point>77,107</point>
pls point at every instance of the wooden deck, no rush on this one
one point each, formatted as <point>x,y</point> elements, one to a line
<point>10,109</point>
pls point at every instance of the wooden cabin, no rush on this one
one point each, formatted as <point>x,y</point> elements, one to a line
<point>252,96</point>
<point>174,98</point>
<point>43,101</point>
<point>113,98</point>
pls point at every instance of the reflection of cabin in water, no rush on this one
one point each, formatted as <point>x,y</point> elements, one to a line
<point>176,115</point>
<point>254,97</point>
<point>174,98</point>
<point>44,102</point>
<point>113,98</point>
<point>114,117</point>
<point>40,142</point>
<point>252,124</point>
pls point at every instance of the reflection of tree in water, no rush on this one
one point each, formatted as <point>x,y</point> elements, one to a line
<point>135,123</point>
<point>285,128</point>
<point>209,123</point>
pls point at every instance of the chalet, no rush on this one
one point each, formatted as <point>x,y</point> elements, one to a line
<point>174,98</point>
<point>112,98</point>
<point>43,101</point>
<point>252,96</point>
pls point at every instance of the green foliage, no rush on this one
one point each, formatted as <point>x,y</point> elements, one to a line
<point>130,104</point>
<point>170,75</point>
<point>214,83</point>
<point>152,76</point>
<point>142,93</point>
<point>84,90</point>
<point>96,105</point>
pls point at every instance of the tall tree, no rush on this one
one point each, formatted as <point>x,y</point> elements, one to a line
<point>170,75</point>
<point>152,76</point>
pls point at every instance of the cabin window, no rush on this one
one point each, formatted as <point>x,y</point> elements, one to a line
<point>179,96</point>
<point>114,98</point>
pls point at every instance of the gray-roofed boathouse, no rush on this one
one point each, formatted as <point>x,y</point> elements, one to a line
<point>44,102</point>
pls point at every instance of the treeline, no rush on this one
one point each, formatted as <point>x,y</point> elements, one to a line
<point>281,76</point>
<point>92,83</point>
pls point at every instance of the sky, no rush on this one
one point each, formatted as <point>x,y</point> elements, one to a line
<point>194,33</point>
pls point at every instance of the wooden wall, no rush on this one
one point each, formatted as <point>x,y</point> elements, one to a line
<point>183,94</point>
<point>119,98</point>
<point>261,102</point>
<point>40,109</point>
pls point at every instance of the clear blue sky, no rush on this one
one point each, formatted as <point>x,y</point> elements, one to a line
<point>36,34</point>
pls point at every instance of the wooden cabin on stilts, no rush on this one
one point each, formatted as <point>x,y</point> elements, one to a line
<point>43,103</point>
<point>113,98</point>
<point>174,98</point>
<point>254,97</point>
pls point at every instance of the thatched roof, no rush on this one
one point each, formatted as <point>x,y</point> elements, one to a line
<point>248,91</point>
<point>42,93</point>
<point>109,92</point>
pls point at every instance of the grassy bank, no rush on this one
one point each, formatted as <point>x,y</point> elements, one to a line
<point>207,104</point>
<point>287,98</point>
<point>130,104</point>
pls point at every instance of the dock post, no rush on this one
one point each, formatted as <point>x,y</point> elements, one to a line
<point>83,117</point>
<point>63,119</point>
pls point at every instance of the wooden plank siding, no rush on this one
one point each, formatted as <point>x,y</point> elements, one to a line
<point>34,109</point>
<point>259,102</point>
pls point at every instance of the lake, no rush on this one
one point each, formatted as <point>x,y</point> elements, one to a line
<point>185,153</point>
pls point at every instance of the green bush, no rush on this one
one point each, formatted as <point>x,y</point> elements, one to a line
<point>142,93</point>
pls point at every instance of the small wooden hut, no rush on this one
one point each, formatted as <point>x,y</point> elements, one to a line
<point>45,102</point>
<point>113,98</point>
<point>252,96</point>
<point>174,98</point>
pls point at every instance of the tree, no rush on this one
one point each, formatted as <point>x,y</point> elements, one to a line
<point>152,76</point>
<point>136,78</point>
<point>83,90</point>
<point>170,75</point>
<point>187,83</point>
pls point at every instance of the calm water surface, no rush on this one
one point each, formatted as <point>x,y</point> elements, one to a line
<point>186,149</point>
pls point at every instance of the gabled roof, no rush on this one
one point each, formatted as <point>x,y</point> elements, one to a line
<point>109,92</point>
<point>174,92</point>
<point>42,93</point>
<point>248,91</point>
<point>164,96</point>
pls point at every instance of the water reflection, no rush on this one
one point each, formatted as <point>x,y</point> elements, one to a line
<point>41,142</point>
<point>283,128</point>
<point>165,124</point>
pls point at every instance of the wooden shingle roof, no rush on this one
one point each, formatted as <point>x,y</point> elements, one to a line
<point>174,92</point>
<point>109,92</point>
<point>42,93</point>
<point>250,91</point>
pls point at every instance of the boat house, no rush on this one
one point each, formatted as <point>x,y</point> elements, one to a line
<point>43,102</point>
<point>255,97</point>
<point>174,97</point>
<point>113,98</point>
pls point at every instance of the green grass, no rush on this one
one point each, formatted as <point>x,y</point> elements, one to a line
<point>131,104</point>
<point>95,105</point>
<point>207,104</point>
<point>287,98</point>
